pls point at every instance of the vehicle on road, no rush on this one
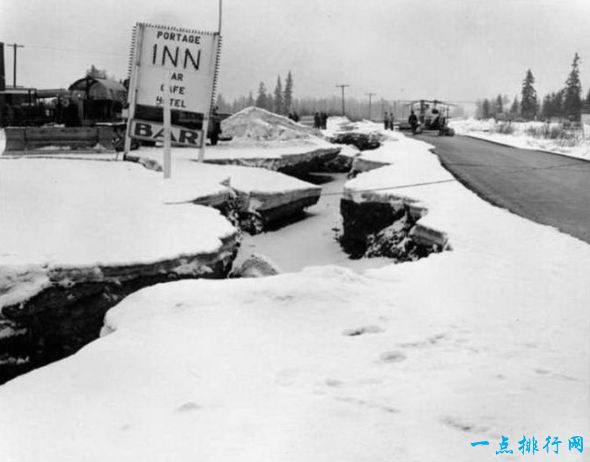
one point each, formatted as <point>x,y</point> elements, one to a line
<point>433,115</point>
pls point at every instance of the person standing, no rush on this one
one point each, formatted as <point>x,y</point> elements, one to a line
<point>317,121</point>
<point>413,121</point>
<point>391,120</point>
<point>386,120</point>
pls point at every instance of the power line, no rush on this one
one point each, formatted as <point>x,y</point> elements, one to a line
<point>385,188</point>
<point>77,50</point>
<point>342,87</point>
<point>370,95</point>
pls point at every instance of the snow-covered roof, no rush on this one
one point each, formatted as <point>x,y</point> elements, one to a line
<point>98,88</point>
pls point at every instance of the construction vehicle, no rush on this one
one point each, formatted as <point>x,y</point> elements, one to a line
<point>433,116</point>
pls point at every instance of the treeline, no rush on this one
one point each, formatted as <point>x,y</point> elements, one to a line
<point>279,101</point>
<point>564,104</point>
<point>283,101</point>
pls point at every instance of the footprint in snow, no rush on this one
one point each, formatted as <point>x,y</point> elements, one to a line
<point>363,330</point>
<point>392,357</point>
<point>188,406</point>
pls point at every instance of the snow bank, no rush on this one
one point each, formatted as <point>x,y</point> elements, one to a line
<point>254,124</point>
<point>247,180</point>
<point>84,214</point>
<point>520,138</point>
<point>268,194</point>
<point>349,151</point>
<point>339,124</point>
<point>410,362</point>
<point>336,124</point>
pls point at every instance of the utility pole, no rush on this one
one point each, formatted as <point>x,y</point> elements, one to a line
<point>370,95</point>
<point>342,87</point>
<point>14,46</point>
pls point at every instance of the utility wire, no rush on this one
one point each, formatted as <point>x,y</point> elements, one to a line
<point>427,183</point>
<point>74,50</point>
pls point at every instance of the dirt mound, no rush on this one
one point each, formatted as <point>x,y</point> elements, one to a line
<point>258,124</point>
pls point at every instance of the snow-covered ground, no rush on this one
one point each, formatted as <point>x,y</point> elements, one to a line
<point>411,362</point>
<point>487,130</point>
<point>341,124</point>
<point>248,179</point>
<point>85,213</point>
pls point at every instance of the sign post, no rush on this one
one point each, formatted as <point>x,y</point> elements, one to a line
<point>167,137</point>
<point>205,131</point>
<point>173,70</point>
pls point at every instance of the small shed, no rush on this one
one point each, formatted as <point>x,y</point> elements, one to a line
<point>102,99</point>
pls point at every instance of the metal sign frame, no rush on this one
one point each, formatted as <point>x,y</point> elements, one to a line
<point>178,64</point>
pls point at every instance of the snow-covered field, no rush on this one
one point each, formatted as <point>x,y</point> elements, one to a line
<point>411,362</point>
<point>487,130</point>
<point>248,179</point>
<point>85,213</point>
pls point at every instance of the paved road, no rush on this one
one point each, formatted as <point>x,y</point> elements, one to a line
<point>546,188</point>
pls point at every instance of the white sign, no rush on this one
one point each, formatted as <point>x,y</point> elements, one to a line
<point>183,59</point>
<point>153,131</point>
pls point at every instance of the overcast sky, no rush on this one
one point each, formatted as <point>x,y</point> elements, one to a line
<point>459,50</point>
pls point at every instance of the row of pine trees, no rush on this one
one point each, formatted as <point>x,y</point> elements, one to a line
<point>280,101</point>
<point>566,104</point>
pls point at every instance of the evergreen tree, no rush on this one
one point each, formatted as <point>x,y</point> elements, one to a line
<point>557,104</point>
<point>515,108</point>
<point>96,72</point>
<point>547,108</point>
<point>288,93</point>
<point>261,99</point>
<point>572,102</point>
<point>222,104</point>
<point>486,109</point>
<point>250,101</point>
<point>588,101</point>
<point>479,109</point>
<point>499,109</point>
<point>278,100</point>
<point>269,102</point>
<point>528,105</point>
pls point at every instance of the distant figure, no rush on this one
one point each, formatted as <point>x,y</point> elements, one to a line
<point>317,121</point>
<point>413,121</point>
<point>385,121</point>
<point>441,128</point>
<point>391,120</point>
<point>324,120</point>
<point>216,126</point>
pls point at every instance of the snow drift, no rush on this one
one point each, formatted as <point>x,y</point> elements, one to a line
<point>256,124</point>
